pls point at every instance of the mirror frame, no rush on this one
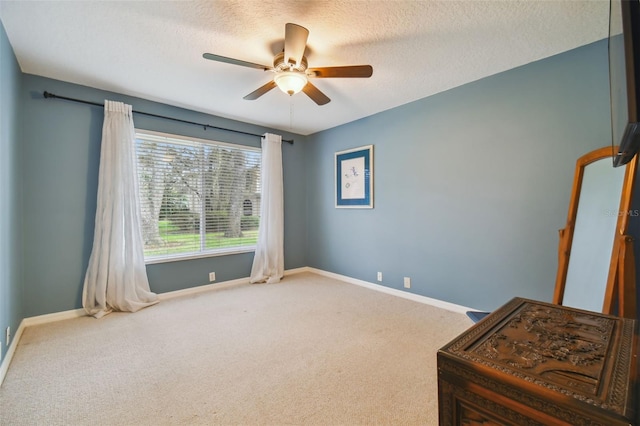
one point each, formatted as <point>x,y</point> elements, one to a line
<point>620,291</point>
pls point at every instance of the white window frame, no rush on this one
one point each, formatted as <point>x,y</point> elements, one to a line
<point>204,253</point>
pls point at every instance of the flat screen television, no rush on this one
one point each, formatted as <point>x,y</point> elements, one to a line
<point>624,78</point>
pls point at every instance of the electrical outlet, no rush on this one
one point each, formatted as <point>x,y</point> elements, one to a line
<point>8,335</point>
<point>379,276</point>
<point>407,282</point>
<point>212,276</point>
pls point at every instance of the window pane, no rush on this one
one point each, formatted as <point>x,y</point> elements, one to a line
<point>196,197</point>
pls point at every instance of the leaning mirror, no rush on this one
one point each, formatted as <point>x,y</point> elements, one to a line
<point>596,267</point>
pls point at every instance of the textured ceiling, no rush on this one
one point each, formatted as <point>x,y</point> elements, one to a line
<point>153,49</point>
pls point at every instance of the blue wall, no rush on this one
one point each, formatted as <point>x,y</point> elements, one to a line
<point>61,147</point>
<point>10,259</point>
<point>471,185</point>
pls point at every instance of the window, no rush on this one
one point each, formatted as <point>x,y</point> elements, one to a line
<point>193,194</point>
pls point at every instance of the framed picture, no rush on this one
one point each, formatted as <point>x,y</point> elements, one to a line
<point>354,178</point>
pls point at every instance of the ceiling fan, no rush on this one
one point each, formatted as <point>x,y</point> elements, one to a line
<point>291,68</point>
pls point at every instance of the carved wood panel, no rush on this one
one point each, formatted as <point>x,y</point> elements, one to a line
<point>588,357</point>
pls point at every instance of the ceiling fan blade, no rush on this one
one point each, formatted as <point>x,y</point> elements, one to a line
<point>295,42</point>
<point>260,91</point>
<point>349,71</point>
<point>315,94</point>
<point>232,61</point>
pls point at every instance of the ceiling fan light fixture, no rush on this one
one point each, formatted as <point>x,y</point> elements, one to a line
<point>290,82</point>
<point>292,70</point>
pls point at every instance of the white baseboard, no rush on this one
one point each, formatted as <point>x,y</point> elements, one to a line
<point>395,292</point>
<point>4,367</point>
<point>218,286</point>
<point>297,271</point>
<point>56,316</point>
<point>202,288</point>
<point>76,313</point>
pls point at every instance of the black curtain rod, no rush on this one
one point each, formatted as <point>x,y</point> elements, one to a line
<point>205,126</point>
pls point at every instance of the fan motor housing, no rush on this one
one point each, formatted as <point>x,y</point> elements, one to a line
<point>280,65</point>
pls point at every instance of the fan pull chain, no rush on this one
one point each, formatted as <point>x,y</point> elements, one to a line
<point>290,114</point>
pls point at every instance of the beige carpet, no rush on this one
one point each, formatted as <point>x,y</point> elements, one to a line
<point>310,350</point>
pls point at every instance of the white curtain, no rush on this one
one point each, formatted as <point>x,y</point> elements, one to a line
<point>116,277</point>
<point>268,263</point>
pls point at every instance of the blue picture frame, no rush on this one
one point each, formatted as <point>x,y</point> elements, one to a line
<point>354,178</point>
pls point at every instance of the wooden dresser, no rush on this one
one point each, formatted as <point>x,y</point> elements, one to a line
<point>534,363</point>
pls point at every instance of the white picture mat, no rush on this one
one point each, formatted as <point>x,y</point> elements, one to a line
<point>352,172</point>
